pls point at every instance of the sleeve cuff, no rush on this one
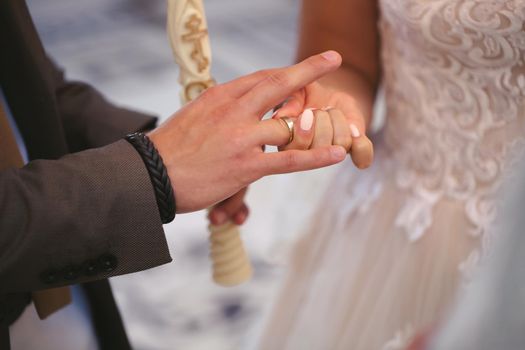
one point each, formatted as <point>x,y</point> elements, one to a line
<point>87,216</point>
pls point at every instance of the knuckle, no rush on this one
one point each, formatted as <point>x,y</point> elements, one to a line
<point>211,93</point>
<point>216,117</point>
<point>290,160</point>
<point>279,78</point>
<point>225,110</point>
<point>343,141</point>
<point>264,73</point>
<point>233,109</point>
<point>301,143</point>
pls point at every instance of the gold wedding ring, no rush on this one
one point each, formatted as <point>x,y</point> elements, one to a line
<point>289,124</point>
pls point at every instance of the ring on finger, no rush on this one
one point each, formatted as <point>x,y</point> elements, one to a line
<point>289,124</point>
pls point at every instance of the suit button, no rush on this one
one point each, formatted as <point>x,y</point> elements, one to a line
<point>49,276</point>
<point>71,272</point>
<point>107,262</point>
<point>90,268</point>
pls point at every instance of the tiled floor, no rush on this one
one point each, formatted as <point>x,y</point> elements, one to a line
<point>120,46</point>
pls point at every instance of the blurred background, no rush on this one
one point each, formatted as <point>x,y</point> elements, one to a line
<point>121,47</point>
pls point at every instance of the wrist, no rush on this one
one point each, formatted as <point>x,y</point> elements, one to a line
<point>158,173</point>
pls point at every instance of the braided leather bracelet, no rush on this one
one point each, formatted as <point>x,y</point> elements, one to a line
<point>157,173</point>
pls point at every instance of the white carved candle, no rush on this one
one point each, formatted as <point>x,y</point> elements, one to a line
<point>188,34</point>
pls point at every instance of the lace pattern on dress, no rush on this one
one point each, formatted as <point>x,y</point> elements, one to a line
<point>351,199</point>
<point>455,87</point>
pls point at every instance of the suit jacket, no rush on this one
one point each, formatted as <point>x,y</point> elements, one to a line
<point>69,218</point>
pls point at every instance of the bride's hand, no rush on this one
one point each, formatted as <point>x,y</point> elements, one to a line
<point>338,121</point>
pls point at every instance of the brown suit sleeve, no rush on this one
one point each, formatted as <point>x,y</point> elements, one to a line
<point>86,216</point>
<point>90,120</point>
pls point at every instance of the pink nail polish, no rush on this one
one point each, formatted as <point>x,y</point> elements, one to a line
<point>354,131</point>
<point>307,120</point>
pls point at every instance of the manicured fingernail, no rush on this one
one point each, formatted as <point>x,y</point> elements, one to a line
<point>354,130</point>
<point>338,152</point>
<point>331,56</point>
<point>307,120</point>
<point>219,217</point>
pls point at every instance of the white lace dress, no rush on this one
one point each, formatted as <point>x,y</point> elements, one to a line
<point>390,245</point>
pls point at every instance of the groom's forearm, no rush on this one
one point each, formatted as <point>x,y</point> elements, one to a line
<point>87,216</point>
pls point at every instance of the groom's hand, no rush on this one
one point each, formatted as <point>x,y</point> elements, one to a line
<point>212,147</point>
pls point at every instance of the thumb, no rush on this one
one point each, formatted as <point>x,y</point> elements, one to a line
<point>294,160</point>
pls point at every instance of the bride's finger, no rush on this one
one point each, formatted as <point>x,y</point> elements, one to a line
<point>342,132</point>
<point>303,132</point>
<point>362,150</point>
<point>293,106</point>
<point>355,117</point>
<point>324,131</point>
